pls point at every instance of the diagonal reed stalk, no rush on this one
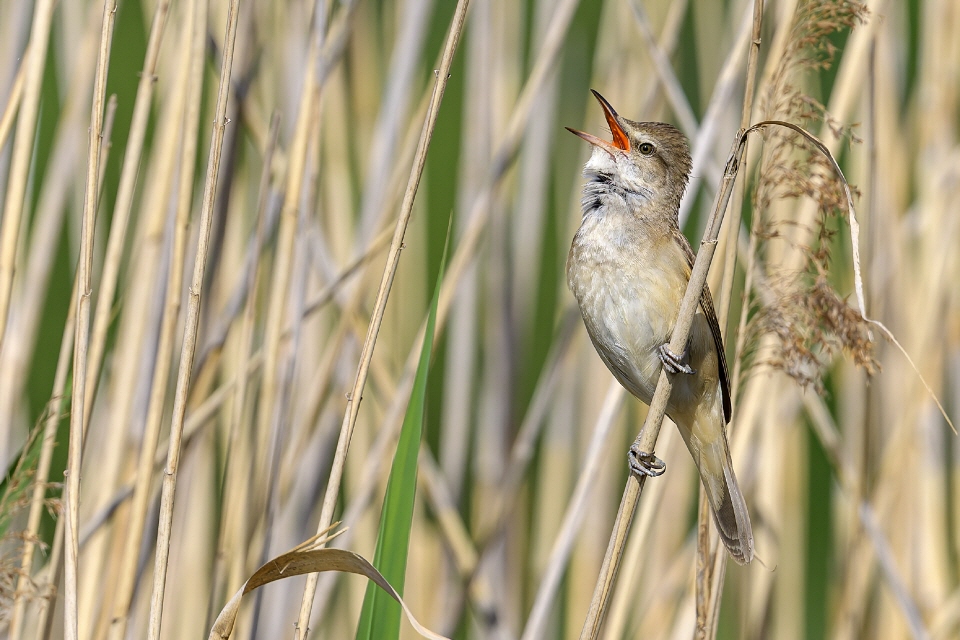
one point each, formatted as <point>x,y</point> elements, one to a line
<point>9,115</point>
<point>383,292</point>
<point>647,438</point>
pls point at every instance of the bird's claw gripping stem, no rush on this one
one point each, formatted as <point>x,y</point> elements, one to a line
<point>674,363</point>
<point>644,463</point>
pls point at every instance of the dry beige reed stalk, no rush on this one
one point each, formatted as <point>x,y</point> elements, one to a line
<point>22,153</point>
<point>82,331</point>
<point>711,560</point>
<point>465,253</point>
<point>730,239</point>
<point>13,101</point>
<point>50,423</point>
<point>283,262</point>
<point>38,501</point>
<point>830,439</point>
<point>193,32</point>
<point>123,207</point>
<point>393,258</point>
<point>468,557</point>
<point>232,535</point>
<point>40,254</point>
<point>324,50</point>
<point>636,597</point>
<point>576,508</point>
<point>190,328</point>
<point>202,414</point>
<point>134,355</point>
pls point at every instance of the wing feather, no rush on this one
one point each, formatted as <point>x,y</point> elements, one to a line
<point>706,303</point>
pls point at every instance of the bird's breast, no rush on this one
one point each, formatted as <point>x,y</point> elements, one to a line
<point>628,285</point>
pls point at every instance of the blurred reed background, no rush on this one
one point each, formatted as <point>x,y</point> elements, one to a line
<point>852,481</point>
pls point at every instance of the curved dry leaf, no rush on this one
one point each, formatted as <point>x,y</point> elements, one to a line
<point>309,557</point>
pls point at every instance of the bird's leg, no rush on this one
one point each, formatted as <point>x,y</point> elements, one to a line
<point>644,463</point>
<point>674,363</point>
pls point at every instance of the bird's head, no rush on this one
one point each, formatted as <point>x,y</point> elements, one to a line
<point>646,159</point>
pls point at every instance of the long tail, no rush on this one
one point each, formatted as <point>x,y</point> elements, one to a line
<point>708,446</point>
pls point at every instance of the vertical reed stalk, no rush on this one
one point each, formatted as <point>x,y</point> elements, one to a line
<point>188,349</point>
<point>123,206</point>
<point>191,69</point>
<point>82,333</point>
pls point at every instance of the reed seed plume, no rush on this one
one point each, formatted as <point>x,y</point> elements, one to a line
<point>800,305</point>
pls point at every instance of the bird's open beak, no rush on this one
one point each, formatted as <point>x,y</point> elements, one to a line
<point>620,139</point>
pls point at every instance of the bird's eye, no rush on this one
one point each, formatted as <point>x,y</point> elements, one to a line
<point>647,149</point>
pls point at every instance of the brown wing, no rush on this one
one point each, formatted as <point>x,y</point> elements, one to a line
<point>706,303</point>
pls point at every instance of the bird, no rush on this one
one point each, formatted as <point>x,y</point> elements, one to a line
<point>628,267</point>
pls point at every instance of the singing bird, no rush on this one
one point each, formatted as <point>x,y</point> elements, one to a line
<point>628,267</point>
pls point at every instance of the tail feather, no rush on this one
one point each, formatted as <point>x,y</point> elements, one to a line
<point>731,515</point>
<point>712,456</point>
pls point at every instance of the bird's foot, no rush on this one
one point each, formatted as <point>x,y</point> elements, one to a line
<point>674,363</point>
<point>644,463</point>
